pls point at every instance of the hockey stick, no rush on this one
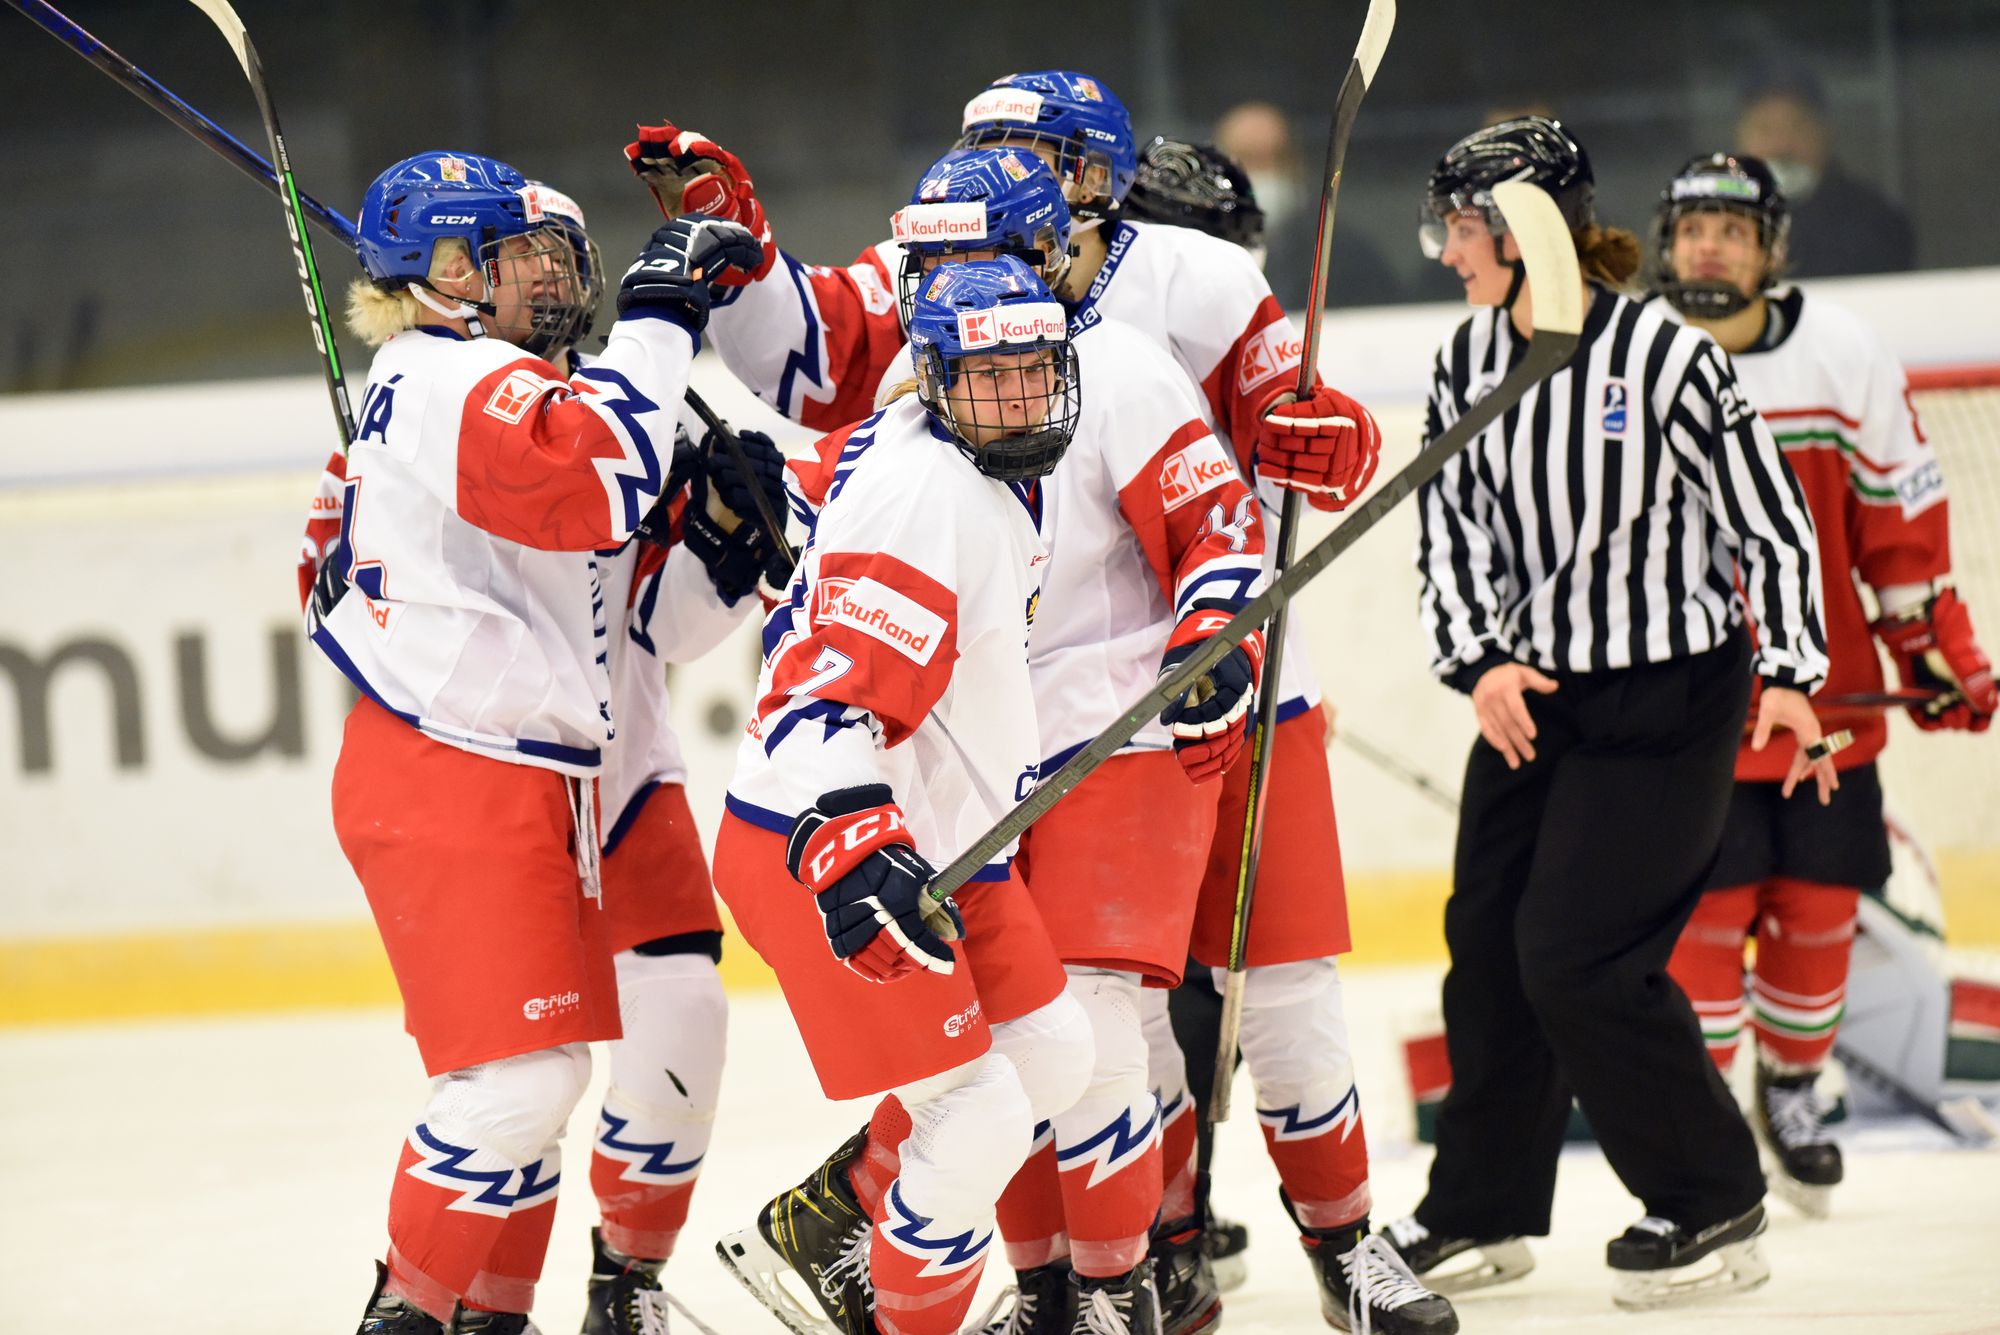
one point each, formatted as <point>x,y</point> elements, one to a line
<point>1965,1118</point>
<point>225,19</point>
<point>1375,30</point>
<point>148,90</point>
<point>1550,257</point>
<point>1389,763</point>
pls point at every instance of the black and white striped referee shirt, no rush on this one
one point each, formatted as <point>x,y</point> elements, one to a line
<point>1601,522</point>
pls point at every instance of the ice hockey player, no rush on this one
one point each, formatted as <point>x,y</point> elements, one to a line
<point>1838,403</point>
<point>472,621</point>
<point>810,341</point>
<point>894,723</point>
<point>1154,542</point>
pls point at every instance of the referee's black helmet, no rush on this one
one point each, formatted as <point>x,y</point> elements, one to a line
<point>1533,149</point>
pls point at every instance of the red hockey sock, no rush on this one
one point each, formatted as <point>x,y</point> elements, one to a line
<point>1031,1208</point>
<point>925,1271</point>
<point>871,1174</point>
<point>513,1267</point>
<point>1805,934</point>
<point>448,1210</point>
<point>1322,1158</point>
<point>1177,1158</point>
<point>1708,964</point>
<point>1109,1168</point>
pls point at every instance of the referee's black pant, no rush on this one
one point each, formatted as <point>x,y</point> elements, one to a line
<point>1574,877</point>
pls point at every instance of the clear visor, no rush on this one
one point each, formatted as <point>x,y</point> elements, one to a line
<point>1435,217</point>
<point>543,287</point>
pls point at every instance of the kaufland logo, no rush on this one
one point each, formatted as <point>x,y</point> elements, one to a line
<point>542,1008</point>
<point>1003,104</point>
<point>1276,349</point>
<point>939,222</point>
<point>1032,322</point>
<point>539,202</point>
<point>1192,471</point>
<point>880,612</point>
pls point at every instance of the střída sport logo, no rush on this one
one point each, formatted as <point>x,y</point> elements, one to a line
<point>542,1008</point>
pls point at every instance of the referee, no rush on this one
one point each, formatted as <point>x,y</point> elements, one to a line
<point>1580,566</point>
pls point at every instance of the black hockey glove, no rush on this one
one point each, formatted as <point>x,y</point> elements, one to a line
<point>657,526</point>
<point>853,852</point>
<point>672,275</point>
<point>736,559</point>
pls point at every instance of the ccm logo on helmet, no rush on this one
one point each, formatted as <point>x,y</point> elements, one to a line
<point>939,222</point>
<point>1034,322</point>
<point>453,219</point>
<point>1003,104</point>
<point>1193,470</point>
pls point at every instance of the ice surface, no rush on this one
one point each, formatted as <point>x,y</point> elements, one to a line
<point>231,1176</point>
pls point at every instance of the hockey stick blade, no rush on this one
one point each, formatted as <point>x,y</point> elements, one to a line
<point>1375,30</point>
<point>1550,257</point>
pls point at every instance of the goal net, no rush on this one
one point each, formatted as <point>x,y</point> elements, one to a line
<point>1959,412</point>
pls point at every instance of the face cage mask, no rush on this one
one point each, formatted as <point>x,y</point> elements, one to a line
<point>1042,257</point>
<point>1073,163</point>
<point>1713,298</point>
<point>565,267</point>
<point>1021,456</point>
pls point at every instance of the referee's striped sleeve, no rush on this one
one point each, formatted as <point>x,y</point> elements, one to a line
<point>1762,512</point>
<point>1457,603</point>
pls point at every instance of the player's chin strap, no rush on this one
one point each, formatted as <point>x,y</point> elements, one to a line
<point>461,310</point>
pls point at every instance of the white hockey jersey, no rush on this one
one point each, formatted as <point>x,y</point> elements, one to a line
<point>480,495</point>
<point>815,342</point>
<point>900,655</point>
<point>1145,515</point>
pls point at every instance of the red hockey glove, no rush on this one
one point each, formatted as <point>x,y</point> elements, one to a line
<point>854,853</point>
<point>1210,722</point>
<point>1934,651</point>
<point>689,173</point>
<point>1324,447</point>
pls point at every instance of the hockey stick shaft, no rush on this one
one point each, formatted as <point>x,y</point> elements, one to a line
<point>765,514</point>
<point>1969,1129</point>
<point>161,99</point>
<point>1389,763</point>
<point>324,342</point>
<point>1375,30</point>
<point>1550,257</point>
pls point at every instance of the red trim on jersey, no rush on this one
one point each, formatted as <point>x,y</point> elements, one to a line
<point>1172,499</point>
<point>1779,414</point>
<point>528,446</point>
<point>322,522</point>
<point>1256,369</point>
<point>863,332</point>
<point>898,632</point>
<point>814,469</point>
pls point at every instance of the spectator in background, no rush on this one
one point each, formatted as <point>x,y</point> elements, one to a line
<point>1258,135</point>
<point>1840,224</point>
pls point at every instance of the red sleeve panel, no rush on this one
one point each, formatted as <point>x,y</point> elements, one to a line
<point>322,522</point>
<point>1195,519</point>
<point>881,637</point>
<point>856,309</point>
<point>1261,364</point>
<point>554,464</point>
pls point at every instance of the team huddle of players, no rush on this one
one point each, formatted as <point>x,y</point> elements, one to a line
<point>1054,436</point>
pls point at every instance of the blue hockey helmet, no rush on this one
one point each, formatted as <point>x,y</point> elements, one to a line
<point>542,299</point>
<point>995,367</point>
<point>983,201</point>
<point>1078,119</point>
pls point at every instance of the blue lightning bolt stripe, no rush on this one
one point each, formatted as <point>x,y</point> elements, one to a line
<point>1114,1146</point>
<point>1291,1124</point>
<point>804,359</point>
<point>447,1161</point>
<point>645,1159</point>
<point>1169,1111</point>
<point>905,1228</point>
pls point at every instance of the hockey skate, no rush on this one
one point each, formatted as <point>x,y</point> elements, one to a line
<point>1224,1242</point>
<point>1494,1260</point>
<point>1038,1302</point>
<point>816,1235</point>
<point>1190,1302</point>
<point>1790,1123</point>
<point>389,1315</point>
<point>468,1321</point>
<point>1126,1304</point>
<point>1365,1285</point>
<point>625,1297</point>
<point>1656,1263</point>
